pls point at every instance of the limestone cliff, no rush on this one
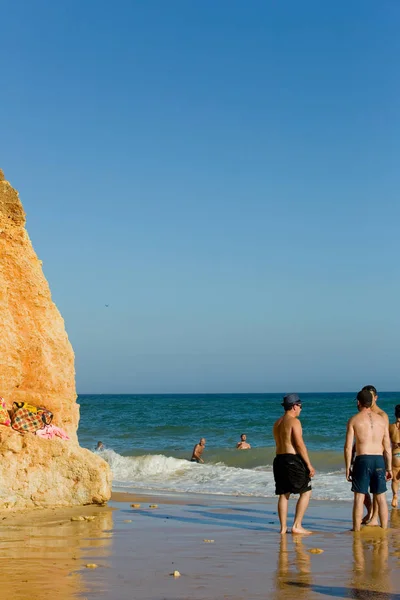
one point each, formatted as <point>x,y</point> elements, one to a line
<point>37,366</point>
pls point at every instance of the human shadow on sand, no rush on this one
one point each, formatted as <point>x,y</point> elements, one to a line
<point>204,518</point>
<point>344,592</point>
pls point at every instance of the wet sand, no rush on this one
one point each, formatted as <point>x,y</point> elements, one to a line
<point>44,553</point>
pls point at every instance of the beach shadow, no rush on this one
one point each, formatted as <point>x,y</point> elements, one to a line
<point>274,513</point>
<point>344,592</point>
<point>316,528</point>
<point>204,518</point>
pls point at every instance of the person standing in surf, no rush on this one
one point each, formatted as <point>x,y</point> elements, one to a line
<point>372,506</point>
<point>292,467</point>
<point>394,432</point>
<point>371,469</point>
<point>198,451</point>
<point>243,444</point>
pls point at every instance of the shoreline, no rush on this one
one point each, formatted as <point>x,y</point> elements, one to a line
<point>224,548</point>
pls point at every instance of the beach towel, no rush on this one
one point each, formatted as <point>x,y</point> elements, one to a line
<point>4,416</point>
<point>51,431</point>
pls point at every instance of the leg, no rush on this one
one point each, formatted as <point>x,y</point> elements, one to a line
<point>301,508</point>
<point>375,511</point>
<point>283,504</point>
<point>382,509</point>
<point>395,482</point>
<point>395,489</point>
<point>368,506</point>
<point>357,510</point>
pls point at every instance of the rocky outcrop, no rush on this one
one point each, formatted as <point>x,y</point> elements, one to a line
<point>37,366</point>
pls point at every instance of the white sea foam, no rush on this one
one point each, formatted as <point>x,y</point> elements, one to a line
<point>163,473</point>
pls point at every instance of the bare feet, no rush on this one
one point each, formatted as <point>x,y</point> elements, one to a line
<point>301,530</point>
<point>373,523</point>
<point>394,501</point>
<point>283,530</point>
<point>365,520</point>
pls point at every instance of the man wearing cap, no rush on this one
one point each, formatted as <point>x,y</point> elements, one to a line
<point>292,467</point>
<point>371,470</point>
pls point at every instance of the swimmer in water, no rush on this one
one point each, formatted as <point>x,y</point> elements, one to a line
<point>243,444</point>
<point>198,451</point>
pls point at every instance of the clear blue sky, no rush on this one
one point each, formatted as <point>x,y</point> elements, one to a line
<point>224,174</point>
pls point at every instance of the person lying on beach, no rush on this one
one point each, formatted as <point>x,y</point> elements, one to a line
<point>243,444</point>
<point>394,433</point>
<point>371,470</point>
<point>198,451</point>
<point>292,467</point>
<point>372,506</point>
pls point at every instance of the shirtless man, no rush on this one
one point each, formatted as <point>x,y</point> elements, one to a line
<point>371,469</point>
<point>394,433</point>
<point>372,519</point>
<point>198,451</point>
<point>243,445</point>
<point>292,466</point>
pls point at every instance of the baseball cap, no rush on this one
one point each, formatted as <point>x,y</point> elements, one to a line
<point>290,400</point>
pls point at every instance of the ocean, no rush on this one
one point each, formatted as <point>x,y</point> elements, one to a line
<point>149,438</point>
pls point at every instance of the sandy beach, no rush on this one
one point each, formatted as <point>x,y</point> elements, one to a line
<point>44,553</point>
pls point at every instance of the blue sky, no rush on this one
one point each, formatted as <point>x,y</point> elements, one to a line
<point>223,174</point>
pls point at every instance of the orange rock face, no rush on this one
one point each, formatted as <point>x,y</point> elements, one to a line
<point>36,357</point>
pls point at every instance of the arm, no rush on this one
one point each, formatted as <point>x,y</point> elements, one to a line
<point>300,447</point>
<point>387,454</point>
<point>348,448</point>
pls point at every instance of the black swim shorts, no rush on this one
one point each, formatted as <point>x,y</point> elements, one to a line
<point>369,471</point>
<point>291,474</point>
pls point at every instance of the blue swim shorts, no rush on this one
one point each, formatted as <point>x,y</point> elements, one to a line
<point>369,471</point>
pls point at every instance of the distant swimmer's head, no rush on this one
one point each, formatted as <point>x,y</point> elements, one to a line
<point>372,390</point>
<point>243,437</point>
<point>100,446</point>
<point>202,441</point>
<point>365,399</point>
<point>291,401</point>
<point>397,411</point>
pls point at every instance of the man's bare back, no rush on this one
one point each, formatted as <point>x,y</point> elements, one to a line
<point>369,429</point>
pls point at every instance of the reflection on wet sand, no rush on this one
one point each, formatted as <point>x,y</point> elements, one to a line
<point>42,560</point>
<point>294,565</point>
<point>370,570</point>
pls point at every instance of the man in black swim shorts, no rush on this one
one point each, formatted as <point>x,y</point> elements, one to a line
<point>292,467</point>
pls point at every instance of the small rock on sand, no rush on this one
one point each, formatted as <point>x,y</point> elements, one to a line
<point>135,505</point>
<point>91,566</point>
<point>153,505</point>
<point>176,574</point>
<point>316,550</point>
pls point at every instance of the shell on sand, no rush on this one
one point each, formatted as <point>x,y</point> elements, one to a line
<point>91,566</point>
<point>135,505</point>
<point>176,574</point>
<point>316,550</point>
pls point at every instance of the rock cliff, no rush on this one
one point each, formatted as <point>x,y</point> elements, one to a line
<point>37,366</point>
